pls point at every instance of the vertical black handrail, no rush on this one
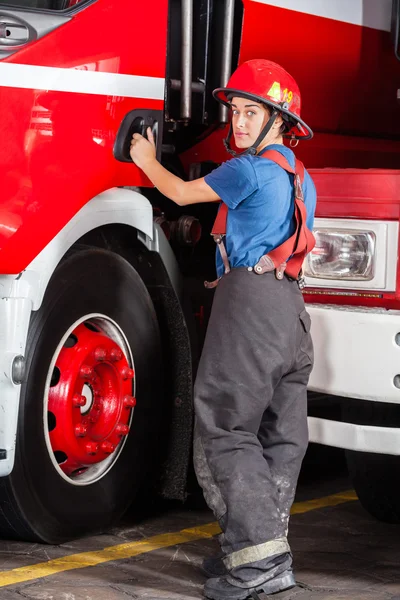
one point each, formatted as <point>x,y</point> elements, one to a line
<point>396,27</point>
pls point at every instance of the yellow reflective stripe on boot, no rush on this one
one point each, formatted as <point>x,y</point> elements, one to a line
<point>255,553</point>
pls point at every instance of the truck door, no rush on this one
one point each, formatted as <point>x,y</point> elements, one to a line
<point>71,71</point>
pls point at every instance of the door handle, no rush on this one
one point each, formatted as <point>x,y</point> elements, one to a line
<point>13,34</point>
<point>137,121</point>
<point>154,131</point>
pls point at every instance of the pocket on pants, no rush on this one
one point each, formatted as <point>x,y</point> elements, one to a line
<point>306,345</point>
<point>305,320</point>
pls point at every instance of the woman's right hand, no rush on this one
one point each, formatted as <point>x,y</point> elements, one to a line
<point>143,151</point>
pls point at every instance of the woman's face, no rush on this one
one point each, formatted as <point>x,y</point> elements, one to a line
<point>248,119</point>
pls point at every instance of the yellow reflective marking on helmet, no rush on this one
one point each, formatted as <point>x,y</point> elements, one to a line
<point>287,96</point>
<point>277,95</point>
<point>275,91</point>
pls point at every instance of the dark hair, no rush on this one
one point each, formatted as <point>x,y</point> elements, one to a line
<point>286,125</point>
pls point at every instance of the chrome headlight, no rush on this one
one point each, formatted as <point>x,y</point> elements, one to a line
<point>345,254</point>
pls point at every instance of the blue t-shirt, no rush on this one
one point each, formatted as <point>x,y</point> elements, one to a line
<point>260,198</point>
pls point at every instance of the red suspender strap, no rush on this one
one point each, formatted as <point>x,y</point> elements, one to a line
<point>218,232</point>
<point>219,227</point>
<point>290,255</point>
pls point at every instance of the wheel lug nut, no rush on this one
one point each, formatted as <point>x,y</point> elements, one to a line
<point>100,354</point>
<point>122,429</point>
<point>115,354</point>
<point>127,373</point>
<point>86,372</point>
<point>78,400</point>
<point>107,447</point>
<point>92,448</point>
<point>129,401</point>
<point>80,430</point>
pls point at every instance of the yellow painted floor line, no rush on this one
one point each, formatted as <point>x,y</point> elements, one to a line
<point>302,507</point>
<point>130,549</point>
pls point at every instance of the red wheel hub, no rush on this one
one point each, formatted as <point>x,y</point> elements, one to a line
<point>90,400</point>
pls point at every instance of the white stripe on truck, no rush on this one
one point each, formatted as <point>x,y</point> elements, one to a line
<point>77,80</point>
<point>367,13</point>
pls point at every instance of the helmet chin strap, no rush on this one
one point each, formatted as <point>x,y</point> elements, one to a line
<point>252,150</point>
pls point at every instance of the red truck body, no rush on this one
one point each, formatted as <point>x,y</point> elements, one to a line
<point>84,239</point>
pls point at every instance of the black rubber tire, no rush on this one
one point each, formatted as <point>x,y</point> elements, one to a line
<point>36,503</point>
<point>375,477</point>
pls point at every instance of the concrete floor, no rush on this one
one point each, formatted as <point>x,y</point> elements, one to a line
<point>340,552</point>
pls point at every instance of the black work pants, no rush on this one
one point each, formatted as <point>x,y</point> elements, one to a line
<point>251,418</point>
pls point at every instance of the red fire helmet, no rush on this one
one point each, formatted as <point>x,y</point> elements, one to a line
<point>267,82</point>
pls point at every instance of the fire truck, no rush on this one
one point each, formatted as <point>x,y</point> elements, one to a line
<point>102,304</point>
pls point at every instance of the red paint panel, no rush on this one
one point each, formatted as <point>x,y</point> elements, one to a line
<point>362,194</point>
<point>347,74</point>
<point>117,36</point>
<point>57,150</point>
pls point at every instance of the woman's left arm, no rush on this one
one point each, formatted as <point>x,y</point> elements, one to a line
<point>143,154</point>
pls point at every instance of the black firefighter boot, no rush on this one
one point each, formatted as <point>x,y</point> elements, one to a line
<point>214,567</point>
<point>221,588</point>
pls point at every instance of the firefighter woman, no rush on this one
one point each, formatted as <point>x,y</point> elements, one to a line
<point>250,392</point>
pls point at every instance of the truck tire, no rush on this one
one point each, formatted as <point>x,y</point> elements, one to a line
<point>83,445</point>
<point>375,477</point>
